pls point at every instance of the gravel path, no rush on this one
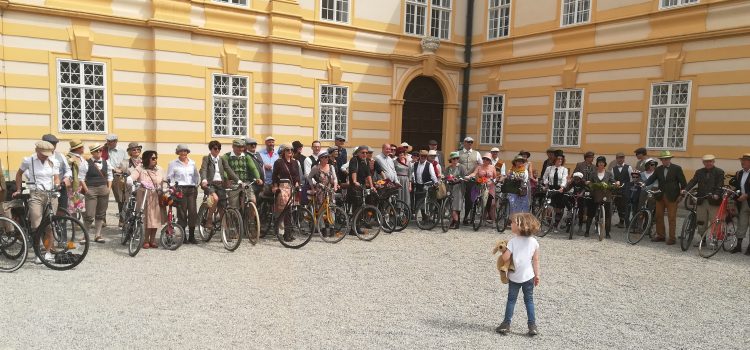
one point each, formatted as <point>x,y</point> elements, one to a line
<point>407,290</point>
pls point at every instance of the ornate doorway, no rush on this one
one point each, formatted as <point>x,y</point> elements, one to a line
<point>422,117</point>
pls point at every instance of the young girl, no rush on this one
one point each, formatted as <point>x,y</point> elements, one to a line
<point>523,248</point>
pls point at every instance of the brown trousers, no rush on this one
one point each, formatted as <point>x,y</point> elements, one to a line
<point>186,210</point>
<point>97,201</point>
<point>671,208</point>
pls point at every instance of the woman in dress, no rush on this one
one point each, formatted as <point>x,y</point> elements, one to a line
<point>149,174</point>
<point>486,172</point>
<point>516,185</point>
<point>531,172</point>
<point>403,171</point>
<point>599,195</point>
<point>284,178</point>
<point>323,175</point>
<point>453,173</point>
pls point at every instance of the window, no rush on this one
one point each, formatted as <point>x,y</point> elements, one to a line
<point>335,10</point>
<point>230,105</point>
<point>81,88</point>
<point>566,124</point>
<point>667,120</point>
<point>440,17</point>
<point>233,2</point>
<point>675,3</point>
<point>499,19</point>
<point>492,120</point>
<point>334,111</point>
<point>575,11</point>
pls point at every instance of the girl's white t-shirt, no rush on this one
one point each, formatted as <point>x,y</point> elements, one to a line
<point>523,249</point>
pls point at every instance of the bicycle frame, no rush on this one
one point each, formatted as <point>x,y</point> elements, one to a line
<point>722,213</point>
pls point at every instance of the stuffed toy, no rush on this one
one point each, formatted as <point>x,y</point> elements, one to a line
<point>503,268</point>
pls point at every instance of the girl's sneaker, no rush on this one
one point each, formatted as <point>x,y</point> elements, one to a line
<point>503,328</point>
<point>532,330</point>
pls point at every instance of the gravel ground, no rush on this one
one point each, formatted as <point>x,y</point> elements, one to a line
<point>406,290</point>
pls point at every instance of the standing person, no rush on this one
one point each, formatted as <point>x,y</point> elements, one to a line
<point>333,155</point>
<point>621,174</point>
<point>132,162</point>
<point>642,155</point>
<point>532,184</point>
<point>495,152</point>
<point>251,150</point>
<point>586,167</point>
<point>269,157</point>
<point>741,181</point>
<point>312,160</point>
<point>709,180</point>
<point>65,174</point>
<point>285,178</point>
<point>404,174</point>
<point>43,174</point>
<point>185,176</point>
<point>486,171</point>
<point>79,167</point>
<point>300,158</point>
<point>149,174</point>
<point>98,185</point>
<point>555,178</point>
<point>598,196</point>
<point>470,159</point>
<point>215,170</point>
<point>409,150</point>
<point>386,164</point>
<point>516,185</point>
<point>359,176</point>
<point>322,174</point>
<point>550,161</point>
<point>422,172</point>
<point>453,173</point>
<point>523,249</point>
<point>671,183</point>
<point>340,142</point>
<point>433,146</point>
<point>114,156</point>
<point>432,158</point>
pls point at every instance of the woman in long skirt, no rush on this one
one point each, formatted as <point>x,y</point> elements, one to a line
<point>455,172</point>
<point>517,186</point>
<point>150,176</point>
<point>403,171</point>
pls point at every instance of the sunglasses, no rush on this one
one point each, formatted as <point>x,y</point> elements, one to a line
<point>216,148</point>
<point>468,141</point>
<point>154,158</point>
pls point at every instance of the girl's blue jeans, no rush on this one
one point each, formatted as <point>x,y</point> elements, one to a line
<point>528,299</point>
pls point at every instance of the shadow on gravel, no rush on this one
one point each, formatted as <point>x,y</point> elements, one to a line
<point>459,325</point>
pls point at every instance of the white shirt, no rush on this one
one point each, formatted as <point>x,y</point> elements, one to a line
<point>40,176</point>
<point>386,163</point>
<point>65,172</point>
<point>743,180</point>
<point>83,167</point>
<point>523,249</point>
<point>562,175</point>
<point>309,164</point>
<point>99,166</point>
<point>116,157</point>
<point>217,173</point>
<point>417,175</point>
<point>183,174</point>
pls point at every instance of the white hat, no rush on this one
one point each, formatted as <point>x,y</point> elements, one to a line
<point>468,139</point>
<point>270,138</point>
<point>111,137</point>
<point>578,174</point>
<point>432,152</point>
<point>495,149</point>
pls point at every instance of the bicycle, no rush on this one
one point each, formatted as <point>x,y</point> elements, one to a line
<point>641,223</point>
<point>331,221</point>
<point>172,234</point>
<point>687,232</point>
<point>65,256</point>
<point>721,232</point>
<point>207,227</point>
<point>546,214</point>
<point>301,218</point>
<point>502,210</point>
<point>265,212</point>
<point>367,219</point>
<point>479,207</point>
<point>396,213</point>
<point>133,231</point>
<point>572,216</point>
<point>13,245</point>
<point>235,220</point>
<point>446,212</point>
<point>427,210</point>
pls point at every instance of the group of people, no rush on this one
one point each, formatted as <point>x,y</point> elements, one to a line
<point>86,183</point>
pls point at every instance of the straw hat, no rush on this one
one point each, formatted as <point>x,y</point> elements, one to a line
<point>74,144</point>
<point>95,147</point>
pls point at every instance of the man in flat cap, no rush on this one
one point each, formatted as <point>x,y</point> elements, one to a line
<point>269,156</point>
<point>586,167</point>
<point>709,181</point>
<point>741,181</point>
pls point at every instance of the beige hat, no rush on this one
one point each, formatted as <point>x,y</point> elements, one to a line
<point>75,144</point>
<point>95,147</point>
<point>487,155</point>
<point>495,149</point>
<point>406,146</point>
<point>745,156</point>
<point>709,157</point>
<point>424,153</point>
<point>45,148</point>
<point>432,152</point>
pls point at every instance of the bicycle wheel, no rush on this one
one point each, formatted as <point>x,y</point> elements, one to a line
<point>573,223</point>
<point>712,239</point>
<point>730,237</point>
<point>427,215</point>
<point>688,231</point>
<point>231,229</point>
<point>546,216</point>
<point>61,256</point>
<point>446,215</point>
<point>477,215</point>
<point>172,236</point>
<point>13,245</point>
<point>205,224</point>
<point>333,224</point>
<point>252,228</point>
<point>600,221</point>
<point>267,221</point>
<point>501,219</point>
<point>389,216</point>
<point>403,215</point>
<point>125,231</point>
<point>301,230</point>
<point>367,223</point>
<point>639,226</point>
<point>136,238</point>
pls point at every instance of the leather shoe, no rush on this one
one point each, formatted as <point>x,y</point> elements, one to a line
<point>737,249</point>
<point>671,241</point>
<point>657,239</point>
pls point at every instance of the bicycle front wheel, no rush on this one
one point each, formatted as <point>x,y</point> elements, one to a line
<point>712,239</point>
<point>446,215</point>
<point>389,216</point>
<point>231,229</point>
<point>172,236</point>
<point>13,245</point>
<point>600,221</point>
<point>546,216</point>
<point>688,231</point>
<point>136,238</point>
<point>403,215</point>
<point>477,215</point>
<point>367,223</point>
<point>427,215</point>
<point>301,230</point>
<point>61,256</point>
<point>501,219</point>
<point>639,226</point>
<point>205,224</point>
<point>252,223</point>
<point>333,224</point>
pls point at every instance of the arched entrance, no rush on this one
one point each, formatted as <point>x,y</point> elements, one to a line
<point>422,116</point>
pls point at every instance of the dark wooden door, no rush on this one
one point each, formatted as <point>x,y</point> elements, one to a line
<point>422,117</point>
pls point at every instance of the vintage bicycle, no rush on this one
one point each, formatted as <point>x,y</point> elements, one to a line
<point>722,231</point>
<point>172,234</point>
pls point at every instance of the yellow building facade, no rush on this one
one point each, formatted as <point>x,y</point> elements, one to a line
<point>605,75</point>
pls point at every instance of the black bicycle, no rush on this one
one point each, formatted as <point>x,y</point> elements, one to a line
<point>367,220</point>
<point>301,218</point>
<point>446,211</point>
<point>132,231</point>
<point>427,210</point>
<point>641,222</point>
<point>691,220</point>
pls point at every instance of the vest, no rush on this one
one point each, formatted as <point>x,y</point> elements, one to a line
<point>468,159</point>
<point>95,177</point>
<point>425,173</point>
<point>314,161</point>
<point>622,176</point>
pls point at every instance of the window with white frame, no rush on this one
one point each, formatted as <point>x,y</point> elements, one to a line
<point>499,19</point>
<point>664,4</point>
<point>668,115</point>
<point>335,10</point>
<point>439,18</point>
<point>491,132</point>
<point>334,111</point>
<point>82,90</point>
<point>233,2</point>
<point>230,99</point>
<point>575,11</point>
<point>566,122</point>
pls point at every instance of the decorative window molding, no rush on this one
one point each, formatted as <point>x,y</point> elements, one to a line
<point>82,96</point>
<point>669,4</point>
<point>335,10</point>
<point>668,115</point>
<point>567,115</point>
<point>437,24</point>
<point>230,101</point>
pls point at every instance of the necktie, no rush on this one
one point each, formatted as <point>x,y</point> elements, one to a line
<point>557,177</point>
<point>98,161</point>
